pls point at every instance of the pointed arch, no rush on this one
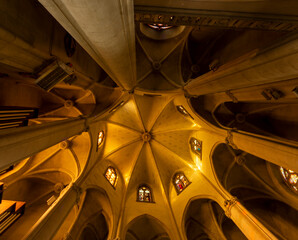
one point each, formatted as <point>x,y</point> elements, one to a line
<point>249,178</point>
<point>205,219</point>
<point>152,228</point>
<point>94,212</point>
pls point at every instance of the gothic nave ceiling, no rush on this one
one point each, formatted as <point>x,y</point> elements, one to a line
<point>132,70</point>
<point>147,139</point>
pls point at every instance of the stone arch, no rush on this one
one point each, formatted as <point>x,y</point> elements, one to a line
<point>96,228</point>
<point>247,177</point>
<point>205,219</point>
<point>38,193</point>
<point>152,228</point>
<point>95,212</point>
<point>182,225</point>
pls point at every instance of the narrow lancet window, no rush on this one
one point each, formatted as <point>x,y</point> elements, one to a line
<point>196,146</point>
<point>100,138</point>
<point>180,182</point>
<point>182,110</point>
<point>144,194</point>
<point>291,178</point>
<point>111,176</point>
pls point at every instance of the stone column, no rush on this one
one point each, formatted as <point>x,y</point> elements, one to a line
<point>277,63</point>
<point>245,221</point>
<point>46,227</point>
<point>278,153</point>
<point>19,143</point>
<point>105,29</point>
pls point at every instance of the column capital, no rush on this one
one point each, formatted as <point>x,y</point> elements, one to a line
<point>228,204</point>
<point>78,190</point>
<point>229,139</point>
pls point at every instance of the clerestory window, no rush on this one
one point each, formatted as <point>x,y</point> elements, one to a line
<point>180,182</point>
<point>196,146</point>
<point>111,176</point>
<point>291,178</point>
<point>144,194</point>
<point>100,138</point>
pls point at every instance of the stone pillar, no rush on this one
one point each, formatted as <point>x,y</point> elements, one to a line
<point>280,154</point>
<point>245,221</point>
<point>19,143</point>
<point>46,227</point>
<point>105,29</point>
<point>277,63</point>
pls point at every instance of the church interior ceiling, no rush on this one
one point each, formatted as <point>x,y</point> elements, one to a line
<point>148,120</point>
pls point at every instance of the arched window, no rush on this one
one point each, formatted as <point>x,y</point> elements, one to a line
<point>144,194</point>
<point>196,146</point>
<point>291,178</point>
<point>100,138</point>
<point>111,176</point>
<point>180,182</point>
<point>183,111</point>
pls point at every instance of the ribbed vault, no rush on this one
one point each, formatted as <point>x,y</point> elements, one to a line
<point>150,162</point>
<point>223,71</point>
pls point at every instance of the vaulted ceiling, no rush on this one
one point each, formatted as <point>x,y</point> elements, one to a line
<point>147,139</point>
<point>131,85</point>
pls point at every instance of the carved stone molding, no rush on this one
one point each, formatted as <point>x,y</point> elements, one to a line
<point>216,21</point>
<point>229,139</point>
<point>228,206</point>
<point>79,191</point>
<point>240,159</point>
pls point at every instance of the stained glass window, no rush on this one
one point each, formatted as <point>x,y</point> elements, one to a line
<point>111,176</point>
<point>100,139</point>
<point>144,194</point>
<point>196,146</point>
<point>180,182</point>
<point>291,178</point>
<point>159,26</point>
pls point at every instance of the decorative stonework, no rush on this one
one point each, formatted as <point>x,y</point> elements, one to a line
<point>228,206</point>
<point>146,136</point>
<point>239,159</point>
<point>58,187</point>
<point>79,191</point>
<point>215,21</point>
<point>229,139</point>
<point>65,144</point>
<point>68,104</point>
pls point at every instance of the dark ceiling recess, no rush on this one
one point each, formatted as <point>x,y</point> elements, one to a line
<point>70,45</point>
